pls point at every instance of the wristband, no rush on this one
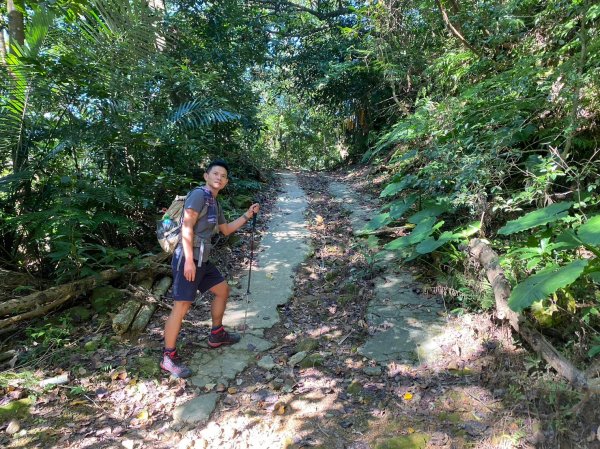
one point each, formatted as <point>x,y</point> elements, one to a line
<point>246,217</point>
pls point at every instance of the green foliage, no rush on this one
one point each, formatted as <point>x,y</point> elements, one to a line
<point>108,113</point>
<point>536,218</point>
<point>544,283</point>
<point>548,246</point>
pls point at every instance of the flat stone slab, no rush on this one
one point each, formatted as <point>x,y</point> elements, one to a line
<point>221,365</point>
<point>403,324</point>
<point>197,410</point>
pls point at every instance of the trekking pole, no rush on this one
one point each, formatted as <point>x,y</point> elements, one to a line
<point>249,272</point>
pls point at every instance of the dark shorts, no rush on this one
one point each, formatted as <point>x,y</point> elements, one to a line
<point>207,276</point>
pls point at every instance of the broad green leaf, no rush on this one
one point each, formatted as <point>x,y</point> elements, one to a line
<point>595,276</point>
<point>569,239</point>
<point>544,283</point>
<point>421,232</point>
<point>589,232</point>
<point>397,187</point>
<point>431,244</point>
<point>378,221</point>
<point>430,211</point>
<point>398,208</point>
<point>372,242</point>
<point>538,217</point>
<point>533,262</point>
<point>401,242</point>
<point>594,351</point>
<point>469,230</point>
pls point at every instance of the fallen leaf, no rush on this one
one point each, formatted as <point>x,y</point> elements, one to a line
<point>143,415</point>
<point>452,366</point>
<point>232,390</point>
<point>78,402</point>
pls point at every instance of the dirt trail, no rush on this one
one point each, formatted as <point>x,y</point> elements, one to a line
<point>316,389</point>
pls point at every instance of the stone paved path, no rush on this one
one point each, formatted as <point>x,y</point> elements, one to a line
<point>282,248</point>
<point>404,325</point>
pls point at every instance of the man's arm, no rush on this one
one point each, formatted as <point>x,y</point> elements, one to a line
<point>190,216</point>
<point>230,228</point>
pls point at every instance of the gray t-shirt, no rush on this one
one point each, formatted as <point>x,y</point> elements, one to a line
<point>203,230</point>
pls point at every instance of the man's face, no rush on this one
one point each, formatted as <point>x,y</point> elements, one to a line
<point>216,178</point>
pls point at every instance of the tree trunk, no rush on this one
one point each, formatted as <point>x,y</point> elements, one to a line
<point>455,30</point>
<point>2,46</point>
<point>488,259</point>
<point>16,23</point>
<point>158,6</point>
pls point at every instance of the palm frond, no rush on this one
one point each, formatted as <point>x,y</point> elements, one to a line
<point>199,113</point>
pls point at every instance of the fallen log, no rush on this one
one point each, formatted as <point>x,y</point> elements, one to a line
<point>39,303</point>
<point>122,320</point>
<point>480,252</point>
<point>145,313</point>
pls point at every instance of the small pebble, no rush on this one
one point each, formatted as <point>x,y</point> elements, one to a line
<point>13,427</point>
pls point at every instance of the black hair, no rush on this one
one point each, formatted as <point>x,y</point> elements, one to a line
<point>217,163</point>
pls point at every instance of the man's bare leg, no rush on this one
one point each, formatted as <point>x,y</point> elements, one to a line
<point>173,324</point>
<point>170,361</point>
<point>219,303</point>
<point>218,335</point>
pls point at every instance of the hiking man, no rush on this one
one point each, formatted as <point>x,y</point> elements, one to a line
<point>191,269</point>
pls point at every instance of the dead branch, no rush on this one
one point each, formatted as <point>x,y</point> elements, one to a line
<point>488,259</point>
<point>39,303</point>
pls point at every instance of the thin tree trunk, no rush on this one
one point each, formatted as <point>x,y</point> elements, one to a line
<point>158,6</point>
<point>2,46</point>
<point>16,23</point>
<point>455,30</point>
<point>583,39</point>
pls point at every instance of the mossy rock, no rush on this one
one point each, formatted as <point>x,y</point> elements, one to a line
<point>15,409</point>
<point>450,417</point>
<point>106,298</point>
<point>412,441</point>
<point>92,345</point>
<point>307,345</point>
<point>332,275</point>
<point>147,367</point>
<point>355,388</point>
<point>350,288</point>
<point>79,314</point>
<point>312,360</point>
